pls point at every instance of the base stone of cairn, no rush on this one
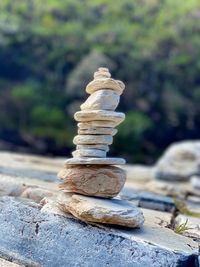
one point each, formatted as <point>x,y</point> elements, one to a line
<point>110,211</point>
<point>90,172</point>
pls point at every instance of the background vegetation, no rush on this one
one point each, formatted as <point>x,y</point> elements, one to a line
<point>49,50</point>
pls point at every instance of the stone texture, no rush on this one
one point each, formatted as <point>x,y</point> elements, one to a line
<point>105,83</point>
<point>92,139</point>
<point>100,147</point>
<point>19,242</point>
<point>193,225</point>
<point>101,99</point>
<point>36,193</point>
<point>10,186</point>
<point>91,161</point>
<point>34,238</point>
<point>5,263</point>
<point>51,206</point>
<point>158,219</point>
<point>94,153</point>
<point>99,115</point>
<point>19,163</point>
<point>140,172</point>
<point>99,181</point>
<point>112,211</point>
<point>168,188</point>
<point>180,161</point>
<point>92,124</point>
<point>195,181</point>
<point>147,200</point>
<point>97,131</point>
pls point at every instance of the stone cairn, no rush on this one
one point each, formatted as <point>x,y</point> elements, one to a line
<point>90,172</point>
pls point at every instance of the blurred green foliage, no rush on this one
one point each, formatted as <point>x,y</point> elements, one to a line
<point>49,50</point>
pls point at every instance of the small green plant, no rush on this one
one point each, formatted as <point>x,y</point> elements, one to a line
<point>181,228</point>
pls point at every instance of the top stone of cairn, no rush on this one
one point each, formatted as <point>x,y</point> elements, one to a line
<point>102,80</point>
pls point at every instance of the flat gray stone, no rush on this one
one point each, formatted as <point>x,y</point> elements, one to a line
<point>96,161</point>
<point>33,174</point>
<point>30,162</point>
<point>34,238</point>
<point>100,147</point>
<point>148,200</point>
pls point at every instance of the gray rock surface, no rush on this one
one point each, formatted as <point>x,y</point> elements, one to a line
<point>34,238</point>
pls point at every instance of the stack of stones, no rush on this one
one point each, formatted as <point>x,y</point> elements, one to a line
<point>90,172</point>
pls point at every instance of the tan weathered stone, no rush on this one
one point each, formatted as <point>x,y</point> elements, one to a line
<point>121,84</point>
<point>105,83</point>
<point>94,161</point>
<point>100,147</point>
<point>95,153</point>
<point>92,139</point>
<point>101,100</point>
<point>112,211</point>
<point>98,130</point>
<point>99,181</point>
<point>98,115</point>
